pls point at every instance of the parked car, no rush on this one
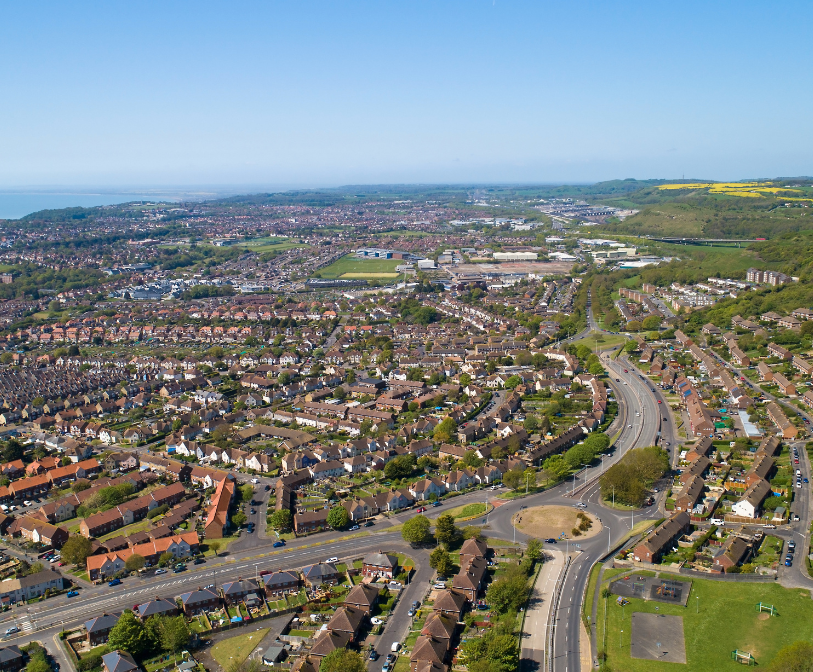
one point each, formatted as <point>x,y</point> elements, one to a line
<point>73,593</point>
<point>376,621</point>
<point>355,527</point>
<point>199,561</point>
<point>278,544</point>
<point>333,559</point>
<point>369,523</point>
<point>160,570</point>
<point>373,654</point>
<point>421,509</point>
<point>437,503</point>
<point>114,582</point>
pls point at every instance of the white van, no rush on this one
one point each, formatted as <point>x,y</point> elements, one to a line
<point>395,646</point>
<point>717,521</point>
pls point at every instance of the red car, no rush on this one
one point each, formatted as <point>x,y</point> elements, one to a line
<point>659,401</point>
<point>625,371</point>
<point>421,509</point>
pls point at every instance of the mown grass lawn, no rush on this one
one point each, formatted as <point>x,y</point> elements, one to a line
<point>721,620</point>
<point>352,264</point>
<point>467,511</point>
<point>237,649</point>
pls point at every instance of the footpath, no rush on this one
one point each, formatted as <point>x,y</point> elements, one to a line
<point>535,630</point>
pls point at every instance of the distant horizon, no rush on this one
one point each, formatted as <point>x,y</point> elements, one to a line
<point>457,92</point>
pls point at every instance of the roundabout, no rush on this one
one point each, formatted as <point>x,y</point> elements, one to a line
<point>545,522</point>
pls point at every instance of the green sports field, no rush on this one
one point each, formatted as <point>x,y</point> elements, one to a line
<point>353,267</point>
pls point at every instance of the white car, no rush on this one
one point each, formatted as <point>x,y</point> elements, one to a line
<point>439,586</point>
<point>26,503</point>
<point>376,621</point>
<point>334,559</point>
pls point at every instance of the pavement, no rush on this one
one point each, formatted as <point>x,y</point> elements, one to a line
<point>535,628</point>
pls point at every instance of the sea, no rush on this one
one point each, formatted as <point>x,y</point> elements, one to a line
<point>16,204</point>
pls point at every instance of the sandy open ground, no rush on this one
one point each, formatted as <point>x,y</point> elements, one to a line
<point>550,521</point>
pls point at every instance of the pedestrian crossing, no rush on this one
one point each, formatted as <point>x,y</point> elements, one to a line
<point>26,625</point>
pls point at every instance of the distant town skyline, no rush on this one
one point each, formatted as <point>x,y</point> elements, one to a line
<point>328,94</point>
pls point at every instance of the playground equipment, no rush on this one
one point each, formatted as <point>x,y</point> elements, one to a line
<point>760,607</point>
<point>743,657</point>
<point>622,602</point>
<point>666,589</point>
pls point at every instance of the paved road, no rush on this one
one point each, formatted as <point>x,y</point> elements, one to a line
<point>399,622</point>
<point>640,430</point>
<point>535,630</point>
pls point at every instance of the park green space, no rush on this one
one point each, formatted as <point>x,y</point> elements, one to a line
<point>236,649</point>
<point>467,511</point>
<point>600,341</point>
<point>351,266</point>
<point>721,617</point>
<point>268,244</point>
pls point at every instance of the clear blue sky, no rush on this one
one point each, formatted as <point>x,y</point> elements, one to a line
<point>324,93</point>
